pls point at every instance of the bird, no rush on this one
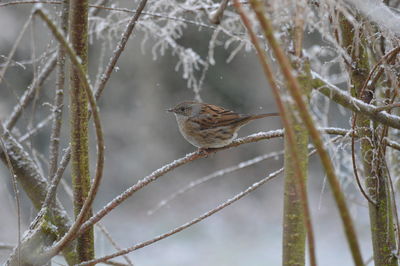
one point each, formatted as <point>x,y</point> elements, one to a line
<point>207,126</point>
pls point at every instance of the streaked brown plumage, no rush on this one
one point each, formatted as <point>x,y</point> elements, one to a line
<point>210,126</point>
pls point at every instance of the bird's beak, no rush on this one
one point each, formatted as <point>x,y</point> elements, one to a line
<point>170,110</point>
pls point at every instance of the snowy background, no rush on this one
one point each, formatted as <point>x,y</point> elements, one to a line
<point>154,74</point>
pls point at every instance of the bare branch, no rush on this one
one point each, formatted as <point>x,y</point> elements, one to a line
<point>188,224</point>
<point>211,176</point>
<point>113,243</point>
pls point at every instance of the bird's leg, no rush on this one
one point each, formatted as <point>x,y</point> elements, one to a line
<point>203,151</point>
<point>206,151</point>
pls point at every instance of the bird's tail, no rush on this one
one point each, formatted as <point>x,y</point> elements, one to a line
<point>253,117</point>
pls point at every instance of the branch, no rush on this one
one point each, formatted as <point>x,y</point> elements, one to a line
<point>188,224</point>
<point>169,167</point>
<point>211,176</point>
<point>113,243</point>
<point>191,157</point>
<point>343,98</point>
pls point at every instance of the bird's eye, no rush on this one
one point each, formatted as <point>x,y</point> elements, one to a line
<point>182,109</point>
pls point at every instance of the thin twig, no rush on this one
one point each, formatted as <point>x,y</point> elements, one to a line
<point>222,172</point>
<point>169,167</point>
<point>188,224</point>
<point>189,158</point>
<point>30,2</point>
<point>211,176</point>
<point>114,263</point>
<point>14,48</point>
<point>35,130</point>
<point>105,232</point>
<point>387,107</point>
<point>29,93</point>
<point>59,95</point>
<point>55,179</point>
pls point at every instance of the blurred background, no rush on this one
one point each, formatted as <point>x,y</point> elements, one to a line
<point>141,137</point>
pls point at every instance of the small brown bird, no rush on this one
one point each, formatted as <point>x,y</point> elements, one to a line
<point>210,126</point>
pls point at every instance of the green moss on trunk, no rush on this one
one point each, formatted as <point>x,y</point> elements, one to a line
<point>294,231</point>
<point>79,123</point>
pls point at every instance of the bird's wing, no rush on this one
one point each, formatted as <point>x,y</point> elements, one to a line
<point>212,116</point>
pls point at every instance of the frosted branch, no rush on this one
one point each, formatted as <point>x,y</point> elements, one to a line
<point>188,224</point>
